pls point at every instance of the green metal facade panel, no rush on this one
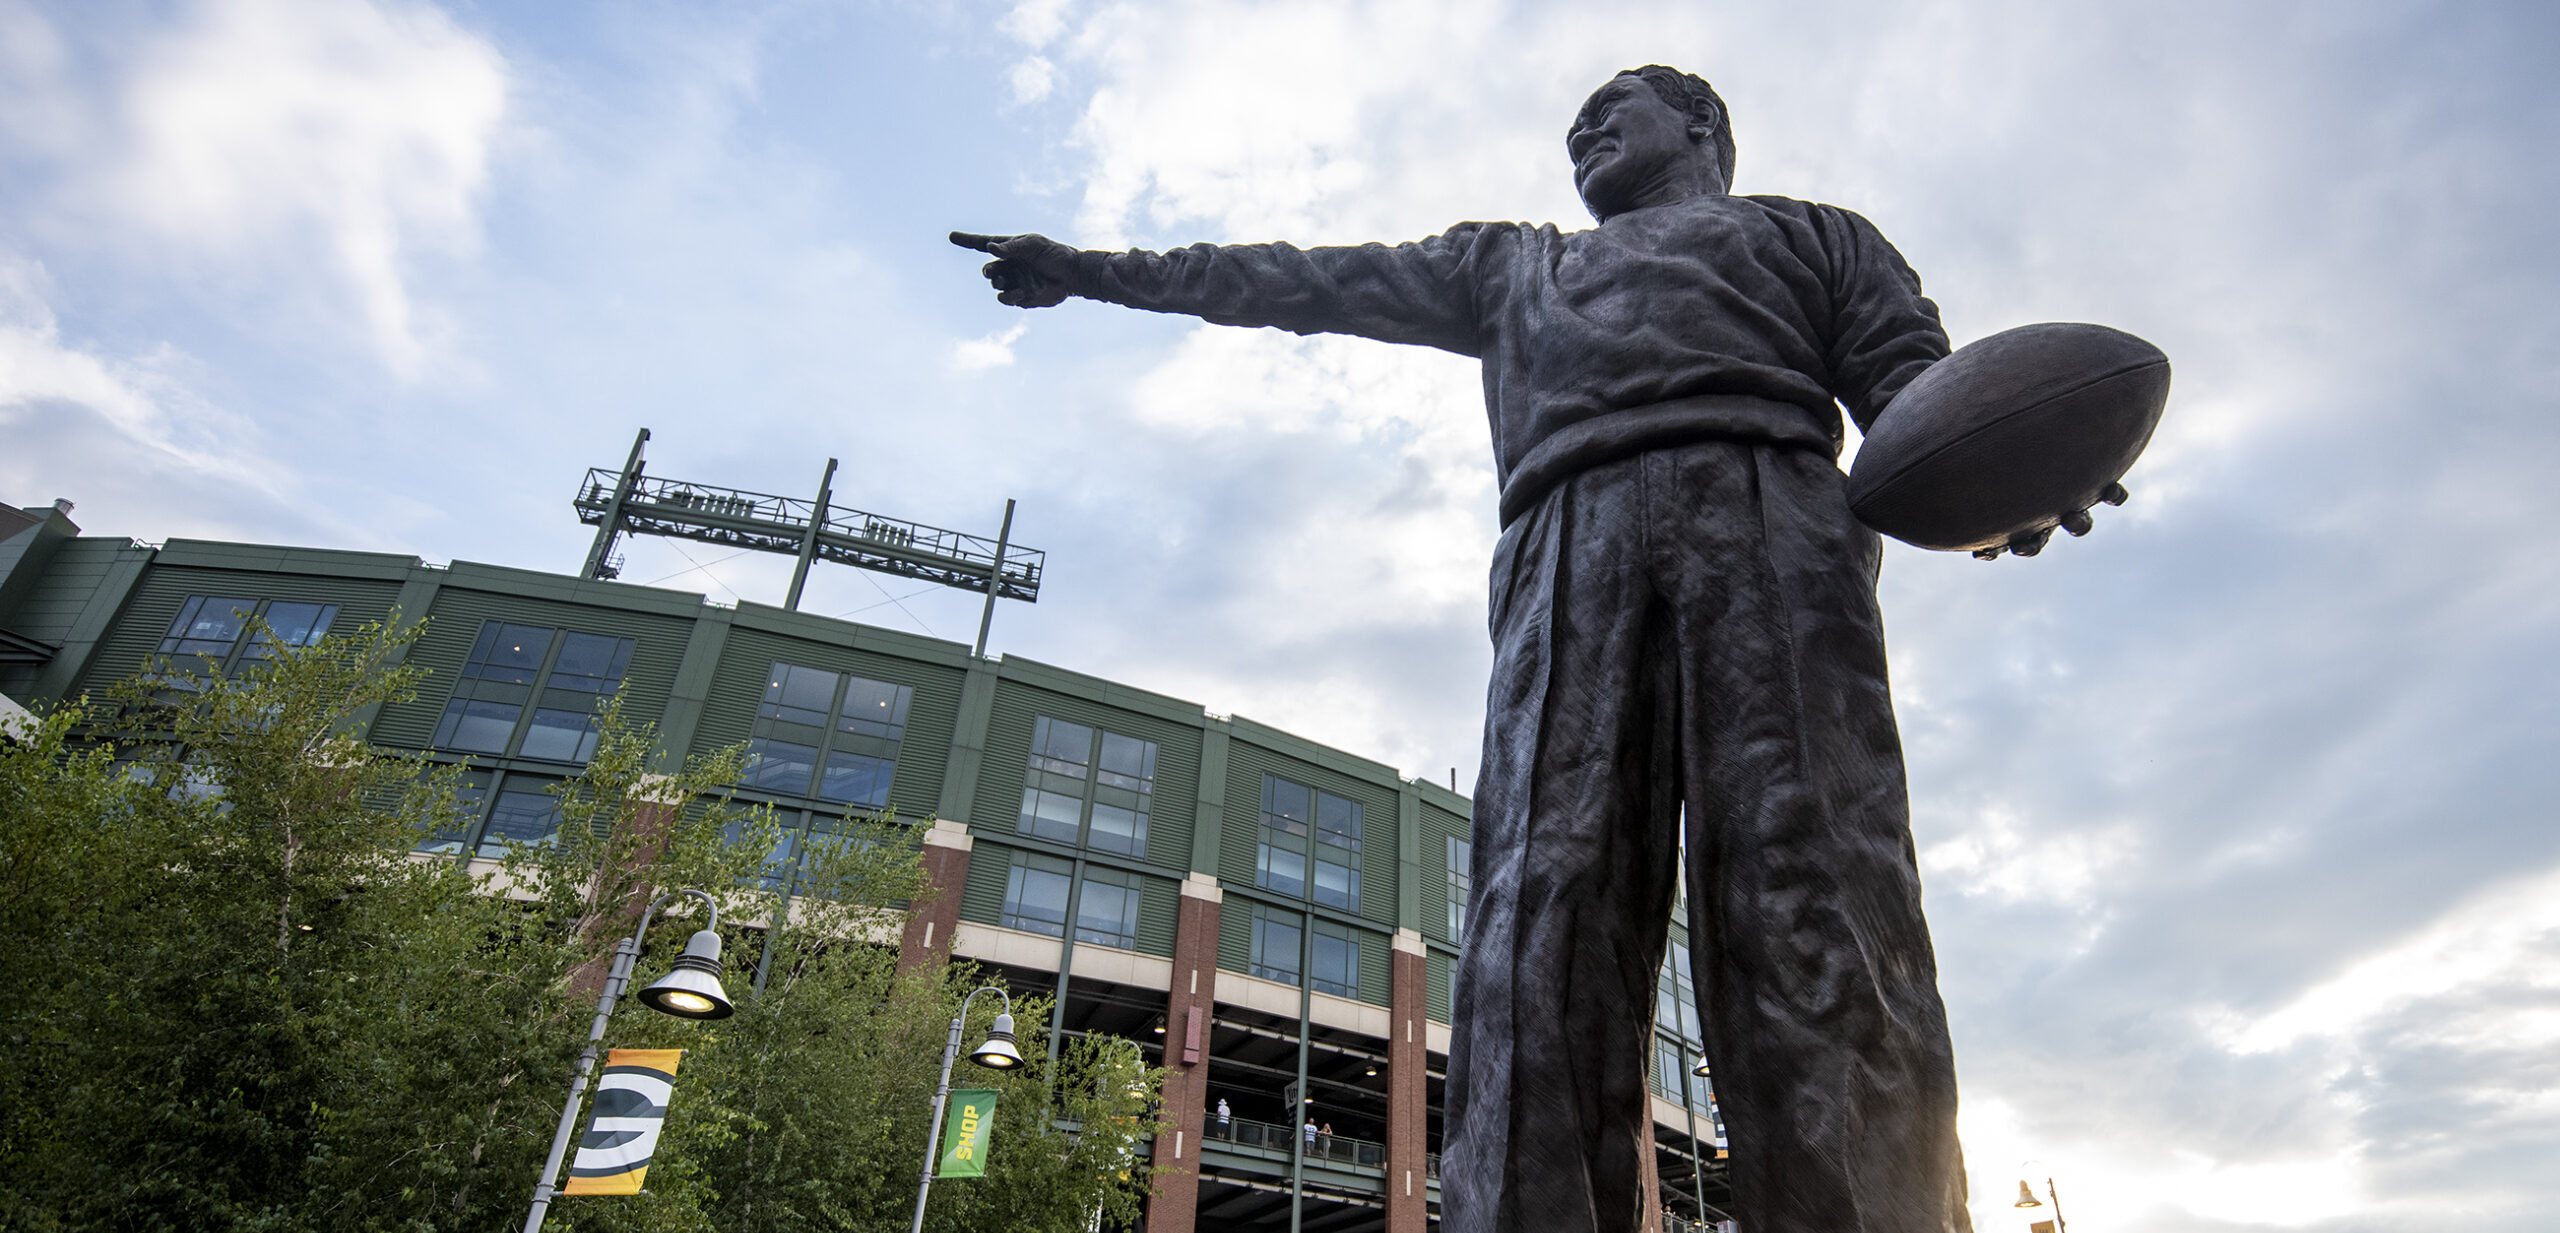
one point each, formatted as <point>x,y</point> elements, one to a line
<point>1437,827</point>
<point>1248,762</point>
<point>738,685</point>
<point>137,631</point>
<point>55,598</point>
<point>1235,935</point>
<point>1376,972</point>
<point>1159,906</point>
<point>982,896</point>
<point>453,625</point>
<point>1018,707</point>
<point>1435,987</point>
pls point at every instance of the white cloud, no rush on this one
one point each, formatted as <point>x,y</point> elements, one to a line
<point>992,351</point>
<point>166,459</point>
<point>346,136</point>
<point>2507,936</point>
<point>1032,78</point>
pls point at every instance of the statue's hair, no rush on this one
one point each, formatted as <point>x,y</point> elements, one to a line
<point>1688,94</point>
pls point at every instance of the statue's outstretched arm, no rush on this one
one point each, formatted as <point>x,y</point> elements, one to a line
<point>1421,293</point>
<point>1029,271</point>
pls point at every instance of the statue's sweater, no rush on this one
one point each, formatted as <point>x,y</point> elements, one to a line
<point>1734,317</point>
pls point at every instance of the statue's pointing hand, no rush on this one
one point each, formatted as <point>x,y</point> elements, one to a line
<point>1029,271</point>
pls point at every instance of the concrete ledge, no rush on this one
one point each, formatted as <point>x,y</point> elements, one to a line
<point>996,944</point>
<point>1125,967</point>
<point>945,833</point>
<point>1202,886</point>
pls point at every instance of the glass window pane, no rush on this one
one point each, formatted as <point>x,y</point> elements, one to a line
<point>1335,963</point>
<point>1460,885</point>
<point>1051,815</point>
<point>857,779</point>
<point>1107,914</point>
<point>208,625</point>
<point>560,736</point>
<point>520,818</point>
<point>510,653</point>
<point>469,801</point>
<point>1275,949</point>
<point>780,766</point>
<point>1118,830</point>
<point>1337,821</point>
<point>474,726</point>
<point>292,625</point>
<point>1279,869</point>
<point>1062,741</point>
<point>777,858</point>
<point>1284,805</point>
<point>590,663</point>
<point>1337,886</point>
<point>875,708</point>
<point>798,695</point>
<point>1035,900</point>
<point>1128,758</point>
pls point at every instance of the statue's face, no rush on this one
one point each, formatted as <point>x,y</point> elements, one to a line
<point>1637,145</point>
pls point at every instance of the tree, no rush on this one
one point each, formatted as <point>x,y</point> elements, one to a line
<point>249,1003</point>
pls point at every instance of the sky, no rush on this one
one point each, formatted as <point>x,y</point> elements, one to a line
<point>2238,851</point>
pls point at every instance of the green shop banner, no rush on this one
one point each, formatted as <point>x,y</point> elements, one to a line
<point>965,1128</point>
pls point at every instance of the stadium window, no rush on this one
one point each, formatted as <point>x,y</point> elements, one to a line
<point>531,691</point>
<point>1087,785</point>
<point>1283,852</point>
<point>1461,885</point>
<point>213,627</point>
<point>1333,960</point>
<point>1676,1009</point>
<point>1276,942</point>
<point>829,735</point>
<point>1035,895</point>
<point>495,812</point>
<point>1107,909</point>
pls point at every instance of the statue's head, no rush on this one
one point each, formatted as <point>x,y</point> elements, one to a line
<point>1646,128</point>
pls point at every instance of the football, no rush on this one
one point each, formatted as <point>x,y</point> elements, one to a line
<point>1994,446</point>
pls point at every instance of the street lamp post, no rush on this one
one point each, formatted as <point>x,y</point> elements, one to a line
<point>2027,1198</point>
<point>998,1053</point>
<point>691,991</point>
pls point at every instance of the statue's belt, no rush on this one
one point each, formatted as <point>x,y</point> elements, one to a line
<point>1584,444</point>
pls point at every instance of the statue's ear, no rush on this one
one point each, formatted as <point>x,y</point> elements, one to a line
<point>1704,119</point>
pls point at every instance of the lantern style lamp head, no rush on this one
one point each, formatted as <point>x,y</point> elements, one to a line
<point>1700,1069</point>
<point>692,989</point>
<point>2027,1197</point>
<point>998,1053</point>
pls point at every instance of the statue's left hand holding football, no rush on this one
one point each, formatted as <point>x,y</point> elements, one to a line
<point>1029,271</point>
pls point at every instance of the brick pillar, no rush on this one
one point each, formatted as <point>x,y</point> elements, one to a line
<point>1652,1174</point>
<point>648,817</point>
<point>1408,1088</point>
<point>1188,1011</point>
<point>927,937</point>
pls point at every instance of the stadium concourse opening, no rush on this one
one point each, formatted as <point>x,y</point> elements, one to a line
<point>1272,920</point>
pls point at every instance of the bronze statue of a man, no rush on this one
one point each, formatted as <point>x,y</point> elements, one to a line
<point>1685,623</point>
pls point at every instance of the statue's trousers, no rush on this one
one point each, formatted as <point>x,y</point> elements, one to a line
<point>1698,627</point>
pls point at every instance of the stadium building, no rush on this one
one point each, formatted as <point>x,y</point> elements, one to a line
<point>1272,920</point>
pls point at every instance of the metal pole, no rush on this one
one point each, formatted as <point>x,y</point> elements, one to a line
<point>809,542</point>
<point>625,955</point>
<point>598,555</point>
<point>942,1094</point>
<point>2056,1196</point>
<point>1305,1110</point>
<point>1697,1155</point>
<point>1066,955</point>
<point>782,910</point>
<point>995,578</point>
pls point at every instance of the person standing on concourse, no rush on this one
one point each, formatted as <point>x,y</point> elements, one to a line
<point>1685,625</point>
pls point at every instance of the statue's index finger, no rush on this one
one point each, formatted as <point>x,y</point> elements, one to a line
<point>982,243</point>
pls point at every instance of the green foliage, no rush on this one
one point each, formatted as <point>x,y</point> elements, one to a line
<point>246,1003</point>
